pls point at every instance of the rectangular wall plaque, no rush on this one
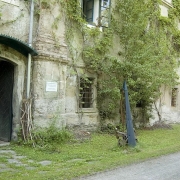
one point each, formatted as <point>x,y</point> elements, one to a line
<point>51,86</point>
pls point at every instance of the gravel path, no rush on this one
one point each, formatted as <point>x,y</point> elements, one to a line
<point>13,159</point>
<point>163,168</point>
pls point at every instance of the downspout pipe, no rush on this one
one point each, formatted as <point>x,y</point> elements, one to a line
<point>30,44</point>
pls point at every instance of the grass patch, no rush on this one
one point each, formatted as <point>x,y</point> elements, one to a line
<point>100,153</point>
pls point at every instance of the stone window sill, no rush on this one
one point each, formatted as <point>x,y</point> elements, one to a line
<point>88,110</point>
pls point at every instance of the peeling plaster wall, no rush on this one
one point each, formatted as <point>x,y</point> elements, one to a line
<point>74,115</point>
<point>51,65</point>
<point>15,19</point>
<point>49,105</point>
<point>169,113</point>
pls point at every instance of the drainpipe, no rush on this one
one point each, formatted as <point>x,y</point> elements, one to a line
<point>30,44</point>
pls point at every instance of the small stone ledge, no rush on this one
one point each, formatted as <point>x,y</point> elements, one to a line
<point>47,57</point>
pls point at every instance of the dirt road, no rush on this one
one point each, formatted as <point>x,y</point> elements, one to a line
<point>163,168</point>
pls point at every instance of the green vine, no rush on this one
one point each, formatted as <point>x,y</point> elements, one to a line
<point>139,46</point>
<point>144,41</point>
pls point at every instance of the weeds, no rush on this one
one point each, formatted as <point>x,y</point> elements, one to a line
<point>99,153</point>
<point>48,138</point>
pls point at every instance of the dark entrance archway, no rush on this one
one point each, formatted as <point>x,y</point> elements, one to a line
<point>6,91</point>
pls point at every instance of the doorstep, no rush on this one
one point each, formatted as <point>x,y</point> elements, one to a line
<point>2,143</point>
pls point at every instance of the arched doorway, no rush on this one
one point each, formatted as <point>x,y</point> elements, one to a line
<point>14,58</point>
<point>6,91</point>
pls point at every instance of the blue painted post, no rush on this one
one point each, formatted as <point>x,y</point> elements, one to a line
<point>129,124</point>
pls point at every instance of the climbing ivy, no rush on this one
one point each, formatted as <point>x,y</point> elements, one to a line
<point>146,57</point>
<point>147,60</point>
<point>139,46</point>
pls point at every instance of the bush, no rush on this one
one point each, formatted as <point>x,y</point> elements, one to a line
<point>48,138</point>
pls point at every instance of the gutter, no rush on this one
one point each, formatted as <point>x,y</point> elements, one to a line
<point>29,55</point>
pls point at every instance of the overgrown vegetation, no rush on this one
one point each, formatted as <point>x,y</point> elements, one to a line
<point>99,153</point>
<point>146,56</point>
<point>138,46</point>
<point>46,138</point>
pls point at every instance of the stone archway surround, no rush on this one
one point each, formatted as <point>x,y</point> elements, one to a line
<point>19,61</point>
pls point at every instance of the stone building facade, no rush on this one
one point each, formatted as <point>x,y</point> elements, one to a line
<point>168,104</point>
<point>53,89</point>
<point>53,86</point>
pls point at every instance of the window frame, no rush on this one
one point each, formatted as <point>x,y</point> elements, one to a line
<point>93,108</point>
<point>109,12</point>
<point>174,97</point>
<point>85,10</point>
<point>86,92</point>
<point>97,12</point>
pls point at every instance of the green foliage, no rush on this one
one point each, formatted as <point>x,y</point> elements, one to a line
<point>47,138</point>
<point>51,135</point>
<point>145,42</point>
<point>176,40</point>
<point>139,46</point>
<point>176,7</point>
<point>99,154</point>
<point>109,128</point>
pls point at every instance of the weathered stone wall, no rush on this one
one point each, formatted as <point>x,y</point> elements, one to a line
<point>49,105</point>
<point>15,19</point>
<point>169,113</point>
<point>75,115</point>
<point>54,64</point>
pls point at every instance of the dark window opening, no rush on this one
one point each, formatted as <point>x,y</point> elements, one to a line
<point>88,10</point>
<point>86,93</point>
<point>139,104</point>
<point>174,97</point>
<point>105,13</point>
<point>96,12</point>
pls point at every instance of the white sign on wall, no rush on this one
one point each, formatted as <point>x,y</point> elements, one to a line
<point>13,2</point>
<point>51,86</point>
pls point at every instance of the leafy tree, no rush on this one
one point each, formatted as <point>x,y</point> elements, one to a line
<point>139,46</point>
<point>146,57</point>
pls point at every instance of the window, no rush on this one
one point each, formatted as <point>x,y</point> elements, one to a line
<point>174,97</point>
<point>164,11</point>
<point>86,93</point>
<point>96,12</point>
<point>105,13</point>
<point>164,7</point>
<point>88,10</point>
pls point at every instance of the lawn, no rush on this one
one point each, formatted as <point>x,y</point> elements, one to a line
<point>76,159</point>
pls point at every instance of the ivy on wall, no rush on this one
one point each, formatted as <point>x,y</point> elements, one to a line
<point>139,46</point>
<point>147,56</point>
